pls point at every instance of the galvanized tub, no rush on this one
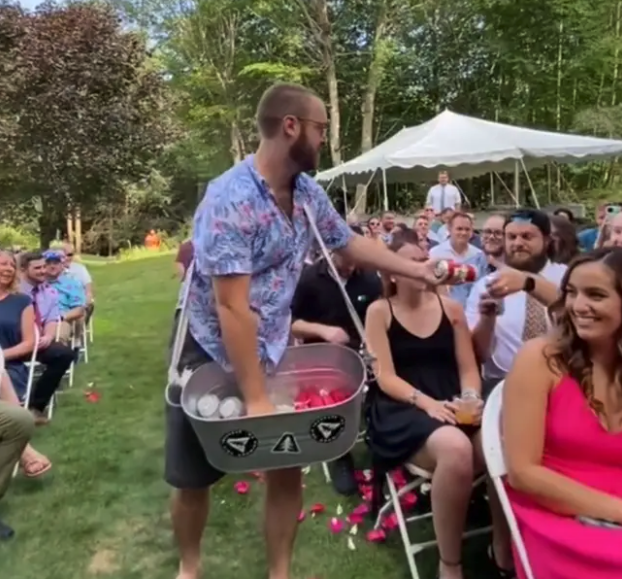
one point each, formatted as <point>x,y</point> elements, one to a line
<point>288,439</point>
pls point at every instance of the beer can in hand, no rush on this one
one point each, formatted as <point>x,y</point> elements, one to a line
<point>454,273</point>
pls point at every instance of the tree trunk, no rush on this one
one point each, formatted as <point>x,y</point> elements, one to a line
<point>237,150</point>
<point>374,78</point>
<point>320,8</point>
<point>70,233</point>
<point>78,231</point>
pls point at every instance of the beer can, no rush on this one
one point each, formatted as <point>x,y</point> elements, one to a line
<point>455,273</point>
<point>207,406</point>
<point>500,303</point>
<point>231,407</point>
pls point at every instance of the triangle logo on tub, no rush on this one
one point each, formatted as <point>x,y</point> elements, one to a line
<point>239,443</point>
<point>328,428</point>
<point>287,444</point>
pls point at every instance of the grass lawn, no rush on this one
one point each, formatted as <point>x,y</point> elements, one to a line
<point>102,511</point>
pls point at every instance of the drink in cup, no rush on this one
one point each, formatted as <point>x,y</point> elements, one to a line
<point>499,304</point>
<point>466,407</point>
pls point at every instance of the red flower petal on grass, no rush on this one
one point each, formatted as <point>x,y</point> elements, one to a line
<point>390,522</point>
<point>355,519</point>
<point>260,476</point>
<point>361,510</point>
<point>398,478</point>
<point>92,396</point>
<point>409,500</point>
<point>366,492</point>
<point>301,516</point>
<point>376,536</point>
<point>317,508</point>
<point>242,487</point>
<point>336,525</point>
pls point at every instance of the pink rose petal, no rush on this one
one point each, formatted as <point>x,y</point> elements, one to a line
<point>376,536</point>
<point>242,487</point>
<point>362,509</point>
<point>301,516</point>
<point>366,493</point>
<point>336,525</point>
<point>398,478</point>
<point>409,500</point>
<point>390,522</point>
<point>355,519</point>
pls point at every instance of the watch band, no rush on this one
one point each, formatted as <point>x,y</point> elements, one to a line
<point>530,284</point>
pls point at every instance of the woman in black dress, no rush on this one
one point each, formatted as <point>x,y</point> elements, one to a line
<point>424,359</point>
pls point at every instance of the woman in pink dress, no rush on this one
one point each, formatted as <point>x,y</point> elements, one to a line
<point>562,425</point>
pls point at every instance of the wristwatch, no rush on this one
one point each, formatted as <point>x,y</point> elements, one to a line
<point>530,284</point>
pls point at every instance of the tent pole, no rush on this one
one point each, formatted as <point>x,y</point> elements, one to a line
<point>506,187</point>
<point>384,190</point>
<point>533,192</point>
<point>517,183</point>
<point>492,190</point>
<point>367,185</point>
<point>345,194</point>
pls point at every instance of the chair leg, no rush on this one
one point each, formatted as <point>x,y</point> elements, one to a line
<point>85,346</point>
<point>71,369</point>
<point>91,333</point>
<point>50,409</point>
<point>326,472</point>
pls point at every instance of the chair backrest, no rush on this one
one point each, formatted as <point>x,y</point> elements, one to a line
<point>491,433</point>
<point>495,462</point>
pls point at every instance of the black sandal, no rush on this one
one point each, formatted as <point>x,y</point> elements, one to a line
<point>500,572</point>
<point>447,564</point>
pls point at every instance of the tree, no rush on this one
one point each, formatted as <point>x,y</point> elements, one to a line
<point>83,109</point>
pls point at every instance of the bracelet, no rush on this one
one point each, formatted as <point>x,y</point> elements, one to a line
<point>471,393</point>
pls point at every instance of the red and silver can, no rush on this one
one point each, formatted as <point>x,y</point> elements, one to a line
<point>231,407</point>
<point>455,273</point>
<point>207,406</point>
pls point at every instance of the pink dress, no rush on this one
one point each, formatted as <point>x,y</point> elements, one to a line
<point>577,446</point>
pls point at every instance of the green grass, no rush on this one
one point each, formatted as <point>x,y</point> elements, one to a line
<point>102,511</point>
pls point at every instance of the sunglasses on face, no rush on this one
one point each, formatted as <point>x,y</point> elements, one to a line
<point>492,232</point>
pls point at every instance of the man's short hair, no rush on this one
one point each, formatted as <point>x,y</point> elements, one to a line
<point>460,215</point>
<point>25,259</point>
<point>279,101</point>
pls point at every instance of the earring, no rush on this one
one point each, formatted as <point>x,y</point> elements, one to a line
<point>392,280</point>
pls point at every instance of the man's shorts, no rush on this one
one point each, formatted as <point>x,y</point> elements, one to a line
<point>186,466</point>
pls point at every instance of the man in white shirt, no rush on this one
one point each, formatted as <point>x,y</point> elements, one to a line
<point>458,249</point>
<point>444,195</point>
<point>527,284</point>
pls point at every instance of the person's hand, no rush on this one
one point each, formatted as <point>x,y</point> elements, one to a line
<point>44,342</point>
<point>260,407</point>
<point>443,411</point>
<point>428,273</point>
<point>505,282</point>
<point>478,412</point>
<point>487,306</point>
<point>335,335</point>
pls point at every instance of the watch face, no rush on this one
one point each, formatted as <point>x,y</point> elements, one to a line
<point>530,284</point>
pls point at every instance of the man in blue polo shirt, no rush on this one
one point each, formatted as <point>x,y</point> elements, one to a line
<point>251,235</point>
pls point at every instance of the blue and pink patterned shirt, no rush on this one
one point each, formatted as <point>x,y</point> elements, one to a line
<point>240,230</point>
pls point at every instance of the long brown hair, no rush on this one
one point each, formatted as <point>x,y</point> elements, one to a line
<point>13,288</point>
<point>569,354</point>
<point>399,239</point>
<point>567,246</point>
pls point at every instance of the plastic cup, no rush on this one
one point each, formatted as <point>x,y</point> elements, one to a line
<point>466,410</point>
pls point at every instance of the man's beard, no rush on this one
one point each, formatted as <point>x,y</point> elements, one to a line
<point>534,264</point>
<point>303,156</point>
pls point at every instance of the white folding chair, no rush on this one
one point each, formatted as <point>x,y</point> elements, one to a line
<point>393,504</point>
<point>80,331</point>
<point>32,365</point>
<point>90,330</point>
<point>495,462</point>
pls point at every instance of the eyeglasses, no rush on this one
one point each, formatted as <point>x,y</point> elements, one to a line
<point>323,127</point>
<point>69,255</point>
<point>493,232</point>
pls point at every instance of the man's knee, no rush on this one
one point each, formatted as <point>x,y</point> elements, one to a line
<point>17,423</point>
<point>190,498</point>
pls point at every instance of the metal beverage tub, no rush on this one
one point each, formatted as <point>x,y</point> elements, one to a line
<point>288,439</point>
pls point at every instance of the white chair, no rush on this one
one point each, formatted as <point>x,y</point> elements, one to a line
<point>495,461</point>
<point>32,365</point>
<point>393,504</point>
<point>90,329</point>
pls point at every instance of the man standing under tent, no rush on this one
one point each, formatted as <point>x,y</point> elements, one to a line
<point>251,235</point>
<point>443,195</point>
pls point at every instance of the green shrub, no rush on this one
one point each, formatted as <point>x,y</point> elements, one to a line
<point>13,237</point>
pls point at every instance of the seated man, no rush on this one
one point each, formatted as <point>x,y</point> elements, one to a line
<point>56,357</point>
<point>16,429</point>
<point>71,294</point>
<point>79,271</point>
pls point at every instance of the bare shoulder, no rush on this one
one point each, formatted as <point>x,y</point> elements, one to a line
<point>378,311</point>
<point>453,309</point>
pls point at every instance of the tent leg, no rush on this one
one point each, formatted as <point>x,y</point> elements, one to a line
<point>492,190</point>
<point>517,183</point>
<point>384,191</point>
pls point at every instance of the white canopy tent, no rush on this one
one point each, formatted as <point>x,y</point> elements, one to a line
<point>467,147</point>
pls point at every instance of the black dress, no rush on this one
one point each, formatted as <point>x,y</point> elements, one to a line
<point>397,430</point>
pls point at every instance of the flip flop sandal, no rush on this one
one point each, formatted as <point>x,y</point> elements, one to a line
<point>29,472</point>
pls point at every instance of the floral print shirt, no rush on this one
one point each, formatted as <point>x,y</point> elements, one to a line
<point>240,230</point>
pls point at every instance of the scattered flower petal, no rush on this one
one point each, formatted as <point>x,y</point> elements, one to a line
<point>301,516</point>
<point>390,522</point>
<point>355,519</point>
<point>339,510</point>
<point>351,544</point>
<point>366,493</point>
<point>306,470</point>
<point>92,397</point>
<point>376,536</point>
<point>398,478</point>
<point>242,487</point>
<point>362,509</point>
<point>336,525</point>
<point>354,530</point>
<point>317,508</point>
<point>409,500</point>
